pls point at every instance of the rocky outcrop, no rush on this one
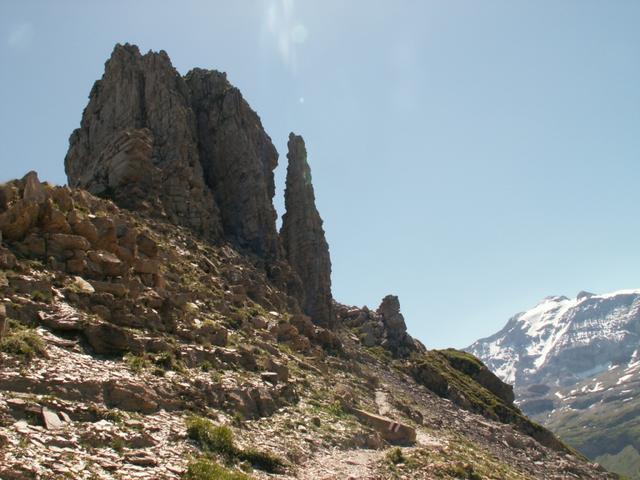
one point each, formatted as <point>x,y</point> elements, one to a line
<point>303,239</point>
<point>397,339</point>
<point>238,160</point>
<point>384,327</point>
<point>137,142</point>
<point>190,149</point>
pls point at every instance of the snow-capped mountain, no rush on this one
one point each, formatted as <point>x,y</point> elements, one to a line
<point>562,340</point>
<point>575,367</point>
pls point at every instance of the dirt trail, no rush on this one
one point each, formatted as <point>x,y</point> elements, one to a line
<point>343,465</point>
<point>358,464</point>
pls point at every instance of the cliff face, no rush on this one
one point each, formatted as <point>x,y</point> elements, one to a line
<point>305,246</point>
<point>142,97</point>
<point>189,148</point>
<point>238,160</point>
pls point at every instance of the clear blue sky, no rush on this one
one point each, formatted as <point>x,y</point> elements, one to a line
<point>471,157</point>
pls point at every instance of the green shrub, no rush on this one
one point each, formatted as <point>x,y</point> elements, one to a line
<point>206,366</point>
<point>205,469</point>
<point>465,471</point>
<point>262,460</point>
<point>40,296</point>
<point>218,439</point>
<point>395,456</point>
<point>336,409</point>
<point>168,361</point>
<point>136,363</point>
<point>23,342</point>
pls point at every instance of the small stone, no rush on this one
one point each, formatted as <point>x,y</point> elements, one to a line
<point>50,419</point>
<point>141,459</point>
<point>271,377</point>
<point>80,285</point>
<point>65,417</point>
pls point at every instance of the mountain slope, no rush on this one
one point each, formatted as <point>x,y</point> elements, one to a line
<point>575,366</point>
<point>160,327</point>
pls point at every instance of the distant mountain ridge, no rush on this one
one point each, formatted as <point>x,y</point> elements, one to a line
<point>575,367</point>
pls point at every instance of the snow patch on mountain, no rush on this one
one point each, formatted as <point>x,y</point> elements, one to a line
<point>579,336</point>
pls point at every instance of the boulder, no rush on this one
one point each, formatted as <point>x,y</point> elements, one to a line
<point>392,431</point>
<point>80,285</point>
<point>53,220</point>
<point>85,228</point>
<point>270,377</point>
<point>50,419</point>
<point>281,370</point>
<point>106,338</point>
<point>212,333</point>
<point>107,263</point>
<point>146,265</point>
<point>62,322</point>
<point>147,246</point>
<point>18,219</point>
<point>130,396</point>
<point>7,259</point>
<point>57,243</point>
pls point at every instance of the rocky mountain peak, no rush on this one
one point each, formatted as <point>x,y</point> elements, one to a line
<point>303,239</point>
<point>584,294</point>
<point>190,149</point>
<point>574,366</point>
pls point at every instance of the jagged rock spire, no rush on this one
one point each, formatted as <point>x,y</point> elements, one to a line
<point>137,144</point>
<point>188,148</point>
<point>303,239</point>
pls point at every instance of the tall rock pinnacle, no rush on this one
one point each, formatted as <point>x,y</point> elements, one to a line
<point>188,148</point>
<point>303,239</point>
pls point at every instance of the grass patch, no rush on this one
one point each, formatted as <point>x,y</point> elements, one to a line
<point>168,361</point>
<point>41,296</point>
<point>443,372</point>
<point>261,460</point>
<point>206,469</point>
<point>463,460</point>
<point>23,342</point>
<point>136,363</point>
<point>219,439</point>
<point>395,456</point>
